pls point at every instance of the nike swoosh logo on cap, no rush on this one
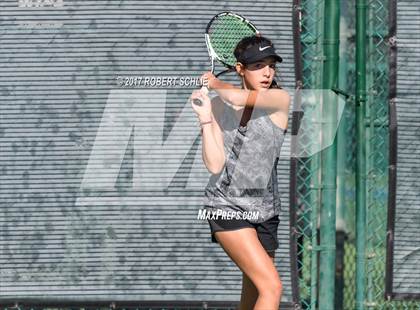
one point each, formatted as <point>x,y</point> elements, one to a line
<point>263,48</point>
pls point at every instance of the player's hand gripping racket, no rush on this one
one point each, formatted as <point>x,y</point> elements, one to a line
<point>223,33</point>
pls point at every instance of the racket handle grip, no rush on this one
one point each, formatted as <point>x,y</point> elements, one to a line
<point>198,101</point>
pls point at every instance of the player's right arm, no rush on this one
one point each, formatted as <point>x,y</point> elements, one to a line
<point>213,153</point>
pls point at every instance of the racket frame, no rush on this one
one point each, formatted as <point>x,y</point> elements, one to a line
<point>212,54</point>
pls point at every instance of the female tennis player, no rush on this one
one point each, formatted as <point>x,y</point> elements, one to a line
<point>242,132</point>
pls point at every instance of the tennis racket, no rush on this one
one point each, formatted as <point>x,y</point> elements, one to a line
<point>223,33</point>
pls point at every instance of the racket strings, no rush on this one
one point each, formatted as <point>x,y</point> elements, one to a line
<point>225,32</point>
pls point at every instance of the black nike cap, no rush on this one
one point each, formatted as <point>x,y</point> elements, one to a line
<point>258,52</point>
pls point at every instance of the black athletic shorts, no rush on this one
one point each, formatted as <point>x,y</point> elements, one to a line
<point>266,231</point>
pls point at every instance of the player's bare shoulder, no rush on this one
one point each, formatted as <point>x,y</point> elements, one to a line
<point>282,97</point>
<point>280,116</point>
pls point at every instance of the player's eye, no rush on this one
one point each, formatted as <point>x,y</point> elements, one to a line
<point>273,66</point>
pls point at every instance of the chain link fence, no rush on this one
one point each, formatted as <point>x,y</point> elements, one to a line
<point>308,171</point>
<point>377,158</point>
<point>377,148</point>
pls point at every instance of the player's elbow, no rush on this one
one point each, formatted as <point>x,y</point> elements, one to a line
<point>215,169</point>
<point>216,165</point>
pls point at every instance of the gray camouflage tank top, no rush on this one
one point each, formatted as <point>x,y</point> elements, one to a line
<point>248,181</point>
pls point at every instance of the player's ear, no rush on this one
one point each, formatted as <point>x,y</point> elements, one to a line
<point>240,68</point>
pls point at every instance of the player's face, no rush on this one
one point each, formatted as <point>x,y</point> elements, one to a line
<point>259,75</point>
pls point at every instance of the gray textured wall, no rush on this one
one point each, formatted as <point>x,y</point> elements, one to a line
<point>78,220</point>
<point>407,215</point>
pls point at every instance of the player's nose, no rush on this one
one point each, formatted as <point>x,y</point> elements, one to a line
<point>266,70</point>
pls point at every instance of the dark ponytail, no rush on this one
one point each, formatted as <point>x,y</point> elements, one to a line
<point>275,85</point>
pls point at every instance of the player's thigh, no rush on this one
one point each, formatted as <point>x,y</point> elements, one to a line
<point>245,249</point>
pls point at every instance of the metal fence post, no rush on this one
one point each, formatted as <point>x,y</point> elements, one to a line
<point>329,157</point>
<point>361,21</point>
